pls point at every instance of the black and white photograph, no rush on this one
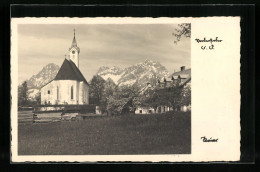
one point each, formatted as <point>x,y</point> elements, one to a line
<point>104,89</point>
<point>120,89</point>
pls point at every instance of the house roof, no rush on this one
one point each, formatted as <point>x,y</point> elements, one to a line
<point>183,76</point>
<point>69,71</point>
<point>174,77</point>
<point>167,80</point>
<point>184,72</point>
<point>46,83</point>
<point>188,80</point>
<point>145,88</point>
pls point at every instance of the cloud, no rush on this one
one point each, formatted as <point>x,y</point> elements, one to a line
<point>101,45</point>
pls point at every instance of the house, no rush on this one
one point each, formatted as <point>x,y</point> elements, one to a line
<point>69,85</point>
<point>180,78</point>
<point>147,87</point>
<point>150,110</point>
<point>144,110</point>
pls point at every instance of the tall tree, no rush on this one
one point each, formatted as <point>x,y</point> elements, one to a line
<point>110,88</point>
<point>38,98</point>
<point>186,95</point>
<point>115,105</point>
<point>96,89</point>
<point>122,100</point>
<point>23,94</point>
<point>183,30</point>
<point>175,97</point>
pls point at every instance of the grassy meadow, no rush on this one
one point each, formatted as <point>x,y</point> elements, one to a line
<point>110,135</point>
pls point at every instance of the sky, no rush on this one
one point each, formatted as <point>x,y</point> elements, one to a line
<point>100,45</point>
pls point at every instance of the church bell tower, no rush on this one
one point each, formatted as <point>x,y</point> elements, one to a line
<point>74,51</point>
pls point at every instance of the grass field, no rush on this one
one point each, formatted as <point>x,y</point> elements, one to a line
<point>110,135</point>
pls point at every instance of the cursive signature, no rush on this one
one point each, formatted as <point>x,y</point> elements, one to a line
<point>204,42</point>
<point>205,139</point>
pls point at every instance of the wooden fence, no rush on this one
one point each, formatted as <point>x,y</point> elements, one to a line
<point>25,117</point>
<point>56,113</point>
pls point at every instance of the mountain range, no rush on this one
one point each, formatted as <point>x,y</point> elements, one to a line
<point>47,74</point>
<point>140,74</point>
<point>35,82</point>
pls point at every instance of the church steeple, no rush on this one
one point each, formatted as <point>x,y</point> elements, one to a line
<point>74,42</point>
<point>74,51</point>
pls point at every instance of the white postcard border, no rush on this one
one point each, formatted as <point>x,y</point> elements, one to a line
<point>215,90</point>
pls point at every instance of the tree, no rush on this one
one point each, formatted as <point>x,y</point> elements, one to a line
<point>128,91</point>
<point>115,105</point>
<point>186,95</point>
<point>122,100</point>
<point>96,89</point>
<point>175,97</point>
<point>110,88</point>
<point>183,30</point>
<point>149,98</point>
<point>38,98</point>
<point>172,96</point>
<point>23,94</point>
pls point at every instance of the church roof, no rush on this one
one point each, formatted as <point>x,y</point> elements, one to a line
<point>74,42</point>
<point>69,71</point>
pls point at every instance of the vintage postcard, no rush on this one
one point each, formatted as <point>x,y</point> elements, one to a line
<point>125,89</point>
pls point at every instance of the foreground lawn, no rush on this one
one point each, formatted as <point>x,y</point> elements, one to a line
<point>111,135</point>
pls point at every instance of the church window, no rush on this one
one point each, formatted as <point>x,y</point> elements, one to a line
<point>71,92</point>
<point>49,92</point>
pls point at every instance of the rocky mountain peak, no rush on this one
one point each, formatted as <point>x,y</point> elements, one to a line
<point>102,68</point>
<point>140,73</point>
<point>47,74</point>
<point>110,70</point>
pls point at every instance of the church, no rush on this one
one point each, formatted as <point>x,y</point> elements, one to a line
<point>69,85</point>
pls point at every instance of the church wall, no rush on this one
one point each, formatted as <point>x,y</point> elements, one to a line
<point>65,91</point>
<point>86,95</point>
<point>47,94</point>
<point>83,93</point>
<point>77,92</point>
<point>60,92</point>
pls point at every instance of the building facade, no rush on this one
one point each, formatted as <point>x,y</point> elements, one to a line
<point>69,85</point>
<point>180,78</point>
